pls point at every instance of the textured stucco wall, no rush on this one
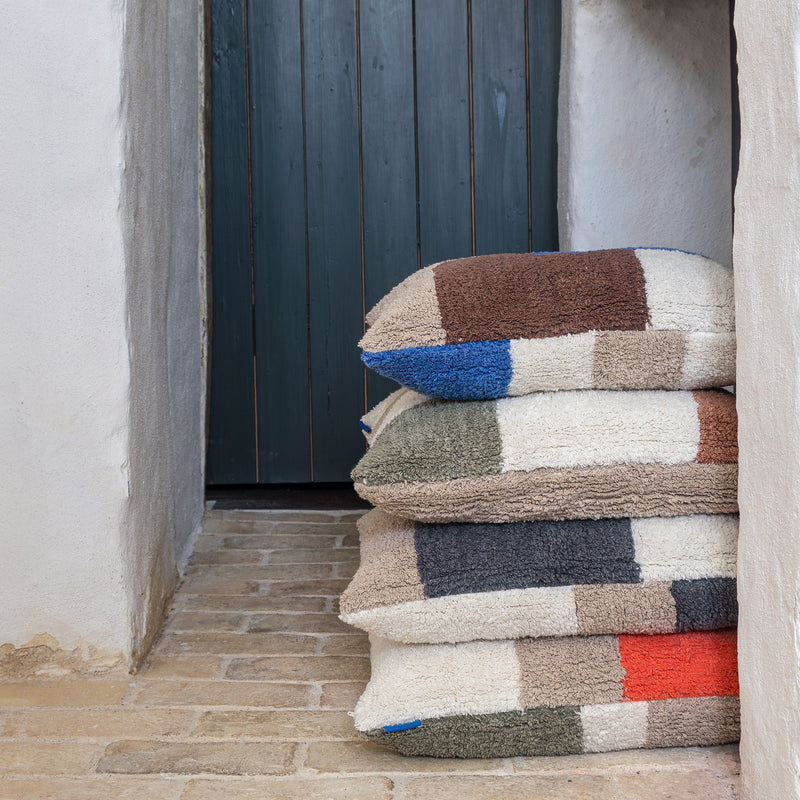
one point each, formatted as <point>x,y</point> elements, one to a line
<point>645,125</point>
<point>100,336</point>
<point>766,258</point>
<point>161,228</point>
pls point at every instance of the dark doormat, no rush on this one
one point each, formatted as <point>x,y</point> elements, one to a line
<point>314,496</point>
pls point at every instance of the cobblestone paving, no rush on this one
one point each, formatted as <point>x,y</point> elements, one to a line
<point>247,694</point>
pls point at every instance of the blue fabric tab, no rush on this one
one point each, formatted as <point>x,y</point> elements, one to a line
<point>467,371</point>
<point>364,426</point>
<point>404,726</point>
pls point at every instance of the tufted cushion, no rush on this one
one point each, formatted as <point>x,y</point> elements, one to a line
<point>457,582</point>
<point>552,696</point>
<point>504,325</point>
<point>556,455</point>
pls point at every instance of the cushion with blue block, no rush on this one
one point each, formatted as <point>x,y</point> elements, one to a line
<point>510,324</point>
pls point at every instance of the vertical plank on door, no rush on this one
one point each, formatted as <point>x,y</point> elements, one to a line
<point>443,129</point>
<point>334,235</point>
<point>500,126</point>
<point>387,114</point>
<point>232,436</point>
<point>544,56</point>
<point>279,253</point>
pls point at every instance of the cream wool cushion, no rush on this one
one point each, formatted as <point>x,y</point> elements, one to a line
<point>510,324</point>
<point>554,455</point>
<point>552,696</point>
<point>457,582</point>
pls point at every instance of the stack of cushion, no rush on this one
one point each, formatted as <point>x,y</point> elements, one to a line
<point>551,564</point>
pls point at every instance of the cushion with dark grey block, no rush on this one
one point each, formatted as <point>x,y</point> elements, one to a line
<point>556,455</point>
<point>504,325</point>
<point>572,694</point>
<point>456,582</point>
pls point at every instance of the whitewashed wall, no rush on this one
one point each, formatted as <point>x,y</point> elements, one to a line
<point>100,332</point>
<point>645,125</point>
<point>767,267</point>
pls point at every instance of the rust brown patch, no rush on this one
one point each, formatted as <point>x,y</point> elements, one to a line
<point>536,295</point>
<point>716,410</point>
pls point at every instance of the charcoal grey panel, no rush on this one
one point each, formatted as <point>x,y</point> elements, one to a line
<point>535,732</point>
<point>705,605</point>
<point>464,558</point>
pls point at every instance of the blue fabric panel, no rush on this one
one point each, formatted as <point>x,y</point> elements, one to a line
<point>468,371</point>
<point>405,726</point>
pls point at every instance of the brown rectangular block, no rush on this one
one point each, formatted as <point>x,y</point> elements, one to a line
<point>227,556</point>
<point>207,542</point>
<point>315,556</point>
<point>569,671</point>
<point>237,643</point>
<point>93,787</point>
<point>504,787</point>
<point>331,527</point>
<point>292,515</point>
<point>617,761</point>
<point>520,296</point>
<point>636,608</point>
<point>254,603</point>
<point>328,588</point>
<point>351,540</point>
<point>300,623</point>
<point>278,572</point>
<point>716,410</point>
<point>638,359</point>
<point>195,758</point>
<point>310,668</point>
<point>341,695</point>
<point>276,541</point>
<point>63,693</point>
<point>346,644</point>
<point>305,788</point>
<point>199,583</point>
<point>288,725</point>
<point>225,693</point>
<point>88,723</point>
<point>369,757</point>
<point>163,667</point>
<point>187,621</point>
<point>677,722</point>
<point>47,758</point>
<point>673,786</point>
<point>227,526</point>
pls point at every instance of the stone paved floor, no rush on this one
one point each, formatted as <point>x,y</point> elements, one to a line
<point>247,695</point>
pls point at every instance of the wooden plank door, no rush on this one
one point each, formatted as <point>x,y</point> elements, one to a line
<point>354,141</point>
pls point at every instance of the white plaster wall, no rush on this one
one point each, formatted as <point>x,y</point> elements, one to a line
<point>63,344</point>
<point>100,335</point>
<point>645,125</point>
<point>766,260</point>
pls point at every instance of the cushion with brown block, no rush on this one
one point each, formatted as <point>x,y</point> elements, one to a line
<point>552,696</point>
<point>456,582</point>
<point>504,325</point>
<point>556,455</point>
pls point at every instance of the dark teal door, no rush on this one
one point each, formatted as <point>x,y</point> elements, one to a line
<point>354,141</point>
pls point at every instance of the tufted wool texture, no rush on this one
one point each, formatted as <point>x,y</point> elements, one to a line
<point>458,582</point>
<point>510,324</point>
<point>552,696</point>
<point>555,455</point>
